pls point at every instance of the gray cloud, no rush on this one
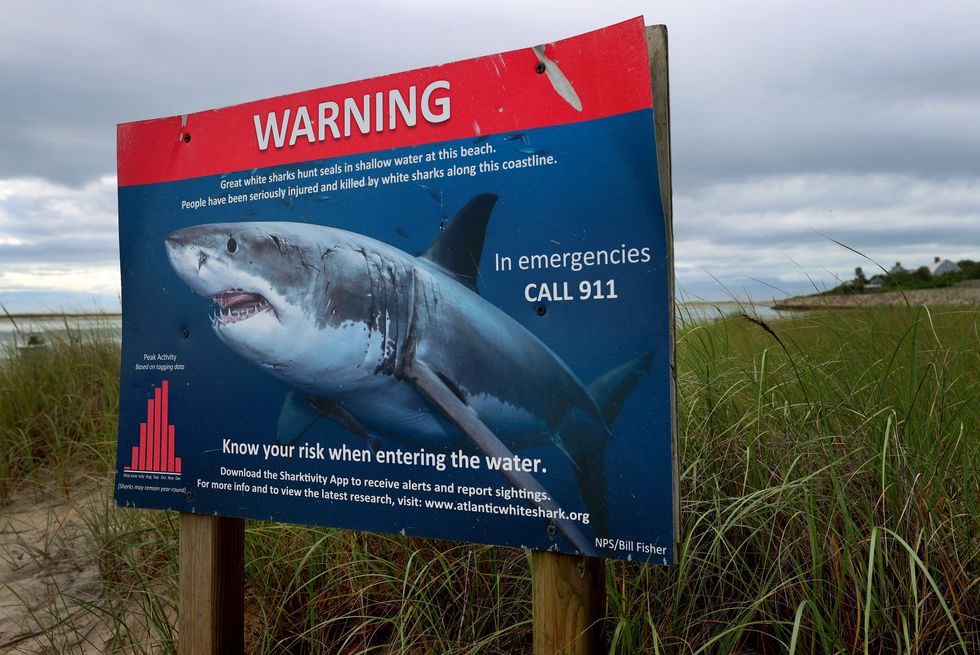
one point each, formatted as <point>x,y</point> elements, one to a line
<point>829,87</point>
<point>79,251</point>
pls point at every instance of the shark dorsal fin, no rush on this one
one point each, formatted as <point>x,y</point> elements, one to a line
<point>457,250</point>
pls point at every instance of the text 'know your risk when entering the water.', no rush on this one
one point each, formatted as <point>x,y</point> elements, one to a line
<point>344,453</point>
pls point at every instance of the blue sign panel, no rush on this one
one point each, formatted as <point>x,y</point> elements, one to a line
<point>464,335</point>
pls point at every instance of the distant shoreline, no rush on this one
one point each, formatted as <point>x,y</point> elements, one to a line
<point>958,296</point>
<point>712,303</point>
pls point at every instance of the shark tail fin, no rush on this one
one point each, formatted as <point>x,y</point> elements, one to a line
<point>611,390</point>
<point>457,250</point>
<point>591,478</point>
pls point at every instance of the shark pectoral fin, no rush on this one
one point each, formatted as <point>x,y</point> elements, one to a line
<point>300,412</point>
<point>295,418</point>
<point>442,396</point>
<point>335,411</point>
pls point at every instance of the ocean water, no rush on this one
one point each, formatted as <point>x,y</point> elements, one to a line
<point>47,329</point>
<point>712,311</point>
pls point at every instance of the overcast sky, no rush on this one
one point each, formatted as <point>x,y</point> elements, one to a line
<point>792,123</point>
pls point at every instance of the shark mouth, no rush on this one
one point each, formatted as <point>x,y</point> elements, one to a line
<point>235,306</point>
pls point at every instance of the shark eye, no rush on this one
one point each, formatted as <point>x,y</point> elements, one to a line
<point>232,245</point>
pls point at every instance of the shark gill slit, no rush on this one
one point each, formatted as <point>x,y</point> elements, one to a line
<point>383,320</point>
<point>407,348</point>
<point>394,321</point>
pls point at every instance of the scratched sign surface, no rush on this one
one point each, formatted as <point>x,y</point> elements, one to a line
<point>433,303</point>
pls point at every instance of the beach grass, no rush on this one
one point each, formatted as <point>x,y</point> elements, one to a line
<point>830,503</point>
<point>59,405</point>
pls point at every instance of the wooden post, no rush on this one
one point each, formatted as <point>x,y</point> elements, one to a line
<point>660,85</point>
<point>568,595</point>
<point>212,591</point>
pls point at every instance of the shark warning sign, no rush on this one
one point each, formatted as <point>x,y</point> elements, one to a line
<point>436,303</point>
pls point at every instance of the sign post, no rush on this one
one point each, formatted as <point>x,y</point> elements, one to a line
<point>568,594</point>
<point>437,303</point>
<point>212,593</point>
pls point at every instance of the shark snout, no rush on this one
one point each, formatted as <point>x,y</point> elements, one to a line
<point>187,258</point>
<point>175,242</point>
<point>176,245</point>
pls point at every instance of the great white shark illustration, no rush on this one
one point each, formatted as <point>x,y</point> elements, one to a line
<point>402,348</point>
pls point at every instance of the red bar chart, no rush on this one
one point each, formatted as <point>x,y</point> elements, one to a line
<point>155,452</point>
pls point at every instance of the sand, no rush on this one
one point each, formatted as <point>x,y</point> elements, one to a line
<point>48,577</point>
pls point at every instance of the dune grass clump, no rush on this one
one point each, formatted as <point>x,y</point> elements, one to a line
<point>336,591</point>
<point>59,405</point>
<point>830,490</point>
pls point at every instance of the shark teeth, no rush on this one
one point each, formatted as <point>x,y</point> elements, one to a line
<point>235,306</point>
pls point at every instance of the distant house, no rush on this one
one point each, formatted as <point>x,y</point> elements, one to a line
<point>875,282</point>
<point>897,268</point>
<point>943,266</point>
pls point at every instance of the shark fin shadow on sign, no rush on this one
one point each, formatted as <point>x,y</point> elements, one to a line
<point>403,348</point>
